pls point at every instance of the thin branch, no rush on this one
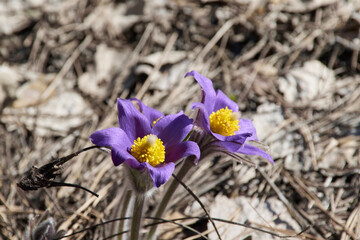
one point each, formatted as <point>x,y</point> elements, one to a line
<point>63,184</point>
<point>175,221</point>
<point>160,221</point>
<point>198,200</point>
<point>36,178</point>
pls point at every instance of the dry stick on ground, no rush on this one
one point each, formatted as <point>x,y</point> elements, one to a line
<point>253,51</point>
<point>68,64</point>
<point>296,215</point>
<point>175,221</point>
<point>86,207</point>
<point>305,131</point>
<point>219,34</point>
<point>353,222</point>
<point>301,188</point>
<point>159,221</point>
<point>132,60</point>
<point>198,200</point>
<point>157,67</point>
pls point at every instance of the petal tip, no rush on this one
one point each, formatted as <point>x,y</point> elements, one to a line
<point>191,73</point>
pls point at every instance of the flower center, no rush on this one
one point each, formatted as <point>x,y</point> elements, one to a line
<point>148,149</point>
<point>224,121</point>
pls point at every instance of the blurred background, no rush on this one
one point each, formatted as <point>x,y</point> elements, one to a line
<point>292,66</point>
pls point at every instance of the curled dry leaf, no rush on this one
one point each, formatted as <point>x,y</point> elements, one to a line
<point>98,83</point>
<point>9,76</point>
<point>250,211</point>
<point>165,80</point>
<point>311,84</point>
<point>111,19</point>
<point>57,115</point>
<point>9,81</point>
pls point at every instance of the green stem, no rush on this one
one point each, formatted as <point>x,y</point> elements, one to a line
<point>123,213</point>
<point>188,163</point>
<point>137,216</point>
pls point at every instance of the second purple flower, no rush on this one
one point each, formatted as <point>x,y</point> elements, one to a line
<point>219,118</point>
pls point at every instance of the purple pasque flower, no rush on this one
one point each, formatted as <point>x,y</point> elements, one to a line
<point>147,141</point>
<point>219,117</point>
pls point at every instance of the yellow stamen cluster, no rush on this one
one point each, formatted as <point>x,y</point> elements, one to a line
<point>224,121</point>
<point>148,149</point>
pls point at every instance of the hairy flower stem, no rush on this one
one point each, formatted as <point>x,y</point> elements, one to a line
<point>187,165</point>
<point>137,216</point>
<point>123,213</point>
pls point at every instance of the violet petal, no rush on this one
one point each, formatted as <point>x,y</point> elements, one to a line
<point>133,122</point>
<point>181,150</point>
<point>251,150</point>
<point>202,119</point>
<point>110,137</point>
<point>160,174</point>
<point>150,113</point>
<point>246,126</point>
<point>223,101</point>
<point>133,163</point>
<point>208,91</point>
<point>119,154</point>
<point>230,146</point>
<point>239,138</point>
<point>173,128</point>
